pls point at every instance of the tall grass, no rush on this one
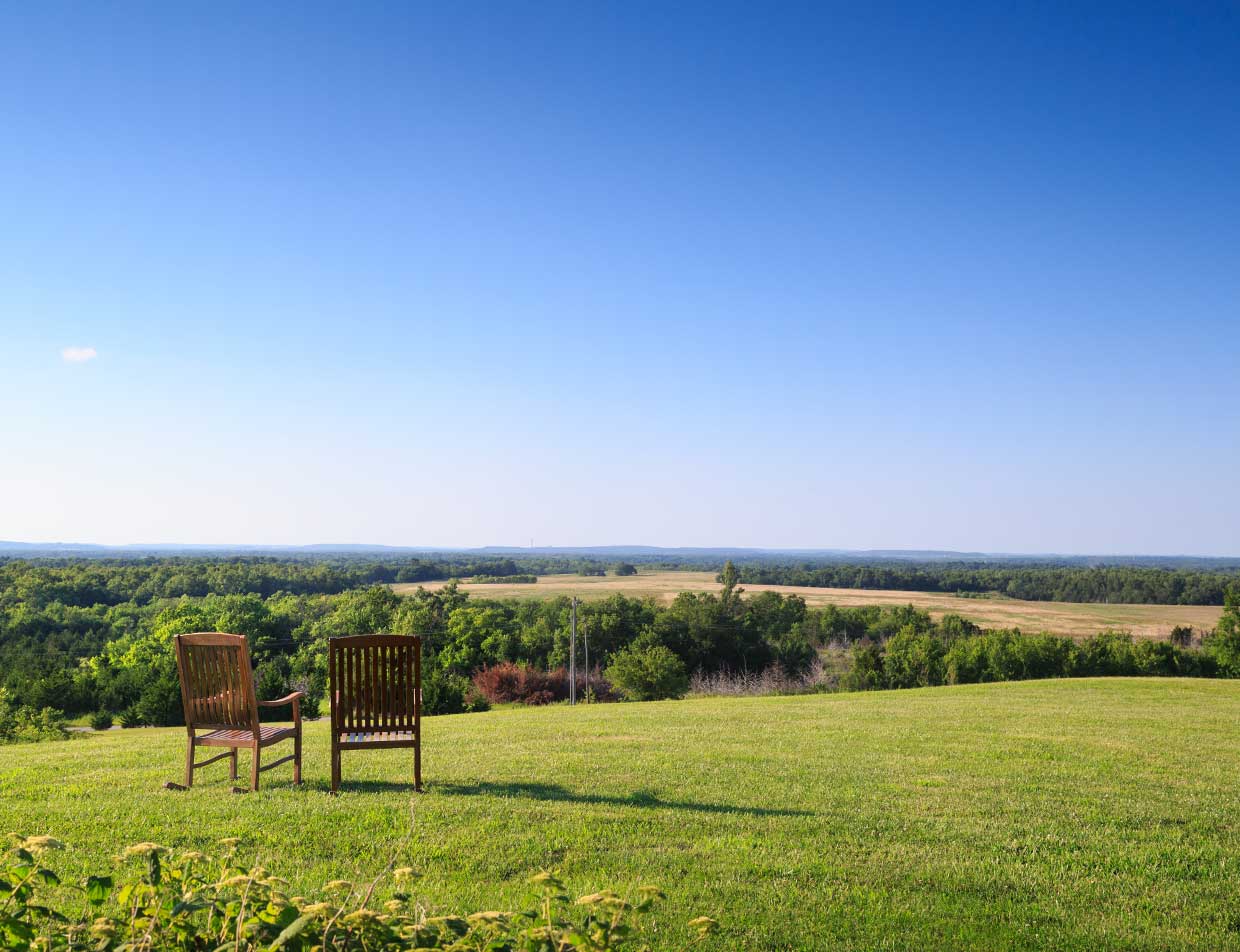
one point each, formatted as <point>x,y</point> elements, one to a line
<point>817,678</point>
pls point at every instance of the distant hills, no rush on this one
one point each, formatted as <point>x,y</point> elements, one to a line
<point>644,553</point>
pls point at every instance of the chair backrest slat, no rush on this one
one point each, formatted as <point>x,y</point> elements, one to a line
<point>375,683</point>
<point>217,683</point>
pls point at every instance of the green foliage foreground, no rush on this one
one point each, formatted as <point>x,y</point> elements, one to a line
<point>1069,814</point>
<point>162,900</point>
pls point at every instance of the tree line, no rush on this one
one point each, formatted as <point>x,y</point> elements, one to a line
<point>1106,583</point>
<point>116,655</point>
<point>84,582</point>
<point>119,658</point>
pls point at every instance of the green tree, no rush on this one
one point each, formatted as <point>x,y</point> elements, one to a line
<point>730,596</point>
<point>913,660</point>
<point>649,672</point>
<point>1224,644</point>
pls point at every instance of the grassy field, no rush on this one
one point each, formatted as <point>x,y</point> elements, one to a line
<point>1076,619</point>
<point>1039,815</point>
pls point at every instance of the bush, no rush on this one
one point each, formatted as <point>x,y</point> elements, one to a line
<point>598,690</point>
<point>25,725</point>
<point>793,654</point>
<point>159,900</point>
<point>866,671</point>
<point>913,660</point>
<point>160,702</point>
<point>475,702</point>
<point>1223,645</point>
<point>1105,655</point>
<point>131,718</point>
<point>443,693</point>
<point>506,682</point>
<point>311,707</point>
<point>101,721</point>
<point>446,693</point>
<point>648,673</point>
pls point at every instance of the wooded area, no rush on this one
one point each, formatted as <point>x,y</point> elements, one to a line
<point>96,636</point>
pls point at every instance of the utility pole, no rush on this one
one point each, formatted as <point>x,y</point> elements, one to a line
<point>585,644</point>
<point>572,657</point>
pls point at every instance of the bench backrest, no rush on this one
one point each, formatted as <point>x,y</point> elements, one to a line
<point>217,683</point>
<point>376,683</point>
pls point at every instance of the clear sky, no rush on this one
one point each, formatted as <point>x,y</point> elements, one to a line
<point>857,275</point>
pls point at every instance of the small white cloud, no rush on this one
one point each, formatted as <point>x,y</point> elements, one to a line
<point>78,355</point>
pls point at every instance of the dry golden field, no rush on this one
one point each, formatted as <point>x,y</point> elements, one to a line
<point>1078,619</point>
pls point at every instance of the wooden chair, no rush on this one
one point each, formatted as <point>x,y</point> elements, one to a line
<point>217,691</point>
<point>376,694</point>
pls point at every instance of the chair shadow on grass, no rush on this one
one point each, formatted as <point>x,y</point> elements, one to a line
<point>639,798</point>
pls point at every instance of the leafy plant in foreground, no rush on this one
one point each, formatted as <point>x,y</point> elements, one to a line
<point>161,900</point>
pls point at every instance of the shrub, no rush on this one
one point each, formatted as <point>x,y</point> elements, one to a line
<point>648,673</point>
<point>1104,655</point>
<point>159,900</point>
<point>131,718</point>
<point>160,701</point>
<point>311,707</point>
<point>866,671</point>
<point>793,654</point>
<point>596,689</point>
<point>446,693</point>
<point>25,725</point>
<point>965,661</point>
<point>506,682</point>
<point>1223,645</point>
<point>443,693</point>
<point>475,702</point>
<point>1047,656</point>
<point>1007,655</point>
<point>913,660</point>
<point>101,721</point>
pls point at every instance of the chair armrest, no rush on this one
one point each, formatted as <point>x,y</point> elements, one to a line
<point>293,699</point>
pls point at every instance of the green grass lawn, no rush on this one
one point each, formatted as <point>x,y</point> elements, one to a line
<point>1051,815</point>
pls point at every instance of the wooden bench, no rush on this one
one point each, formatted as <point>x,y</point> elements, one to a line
<point>376,696</point>
<point>217,693</point>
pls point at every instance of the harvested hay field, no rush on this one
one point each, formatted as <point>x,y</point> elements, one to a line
<point>1076,619</point>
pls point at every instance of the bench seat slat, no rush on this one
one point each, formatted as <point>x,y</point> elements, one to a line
<point>243,738</point>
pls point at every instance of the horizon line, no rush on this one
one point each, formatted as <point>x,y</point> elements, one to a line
<point>13,544</point>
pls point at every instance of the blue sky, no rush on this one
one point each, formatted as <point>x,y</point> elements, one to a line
<point>944,275</point>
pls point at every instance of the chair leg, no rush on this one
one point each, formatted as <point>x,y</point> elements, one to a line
<point>417,766</point>
<point>297,757</point>
<point>335,769</point>
<point>189,762</point>
<point>232,765</point>
<point>254,768</point>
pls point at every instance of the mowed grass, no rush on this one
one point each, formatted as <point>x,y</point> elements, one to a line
<point>1074,619</point>
<point>1089,814</point>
